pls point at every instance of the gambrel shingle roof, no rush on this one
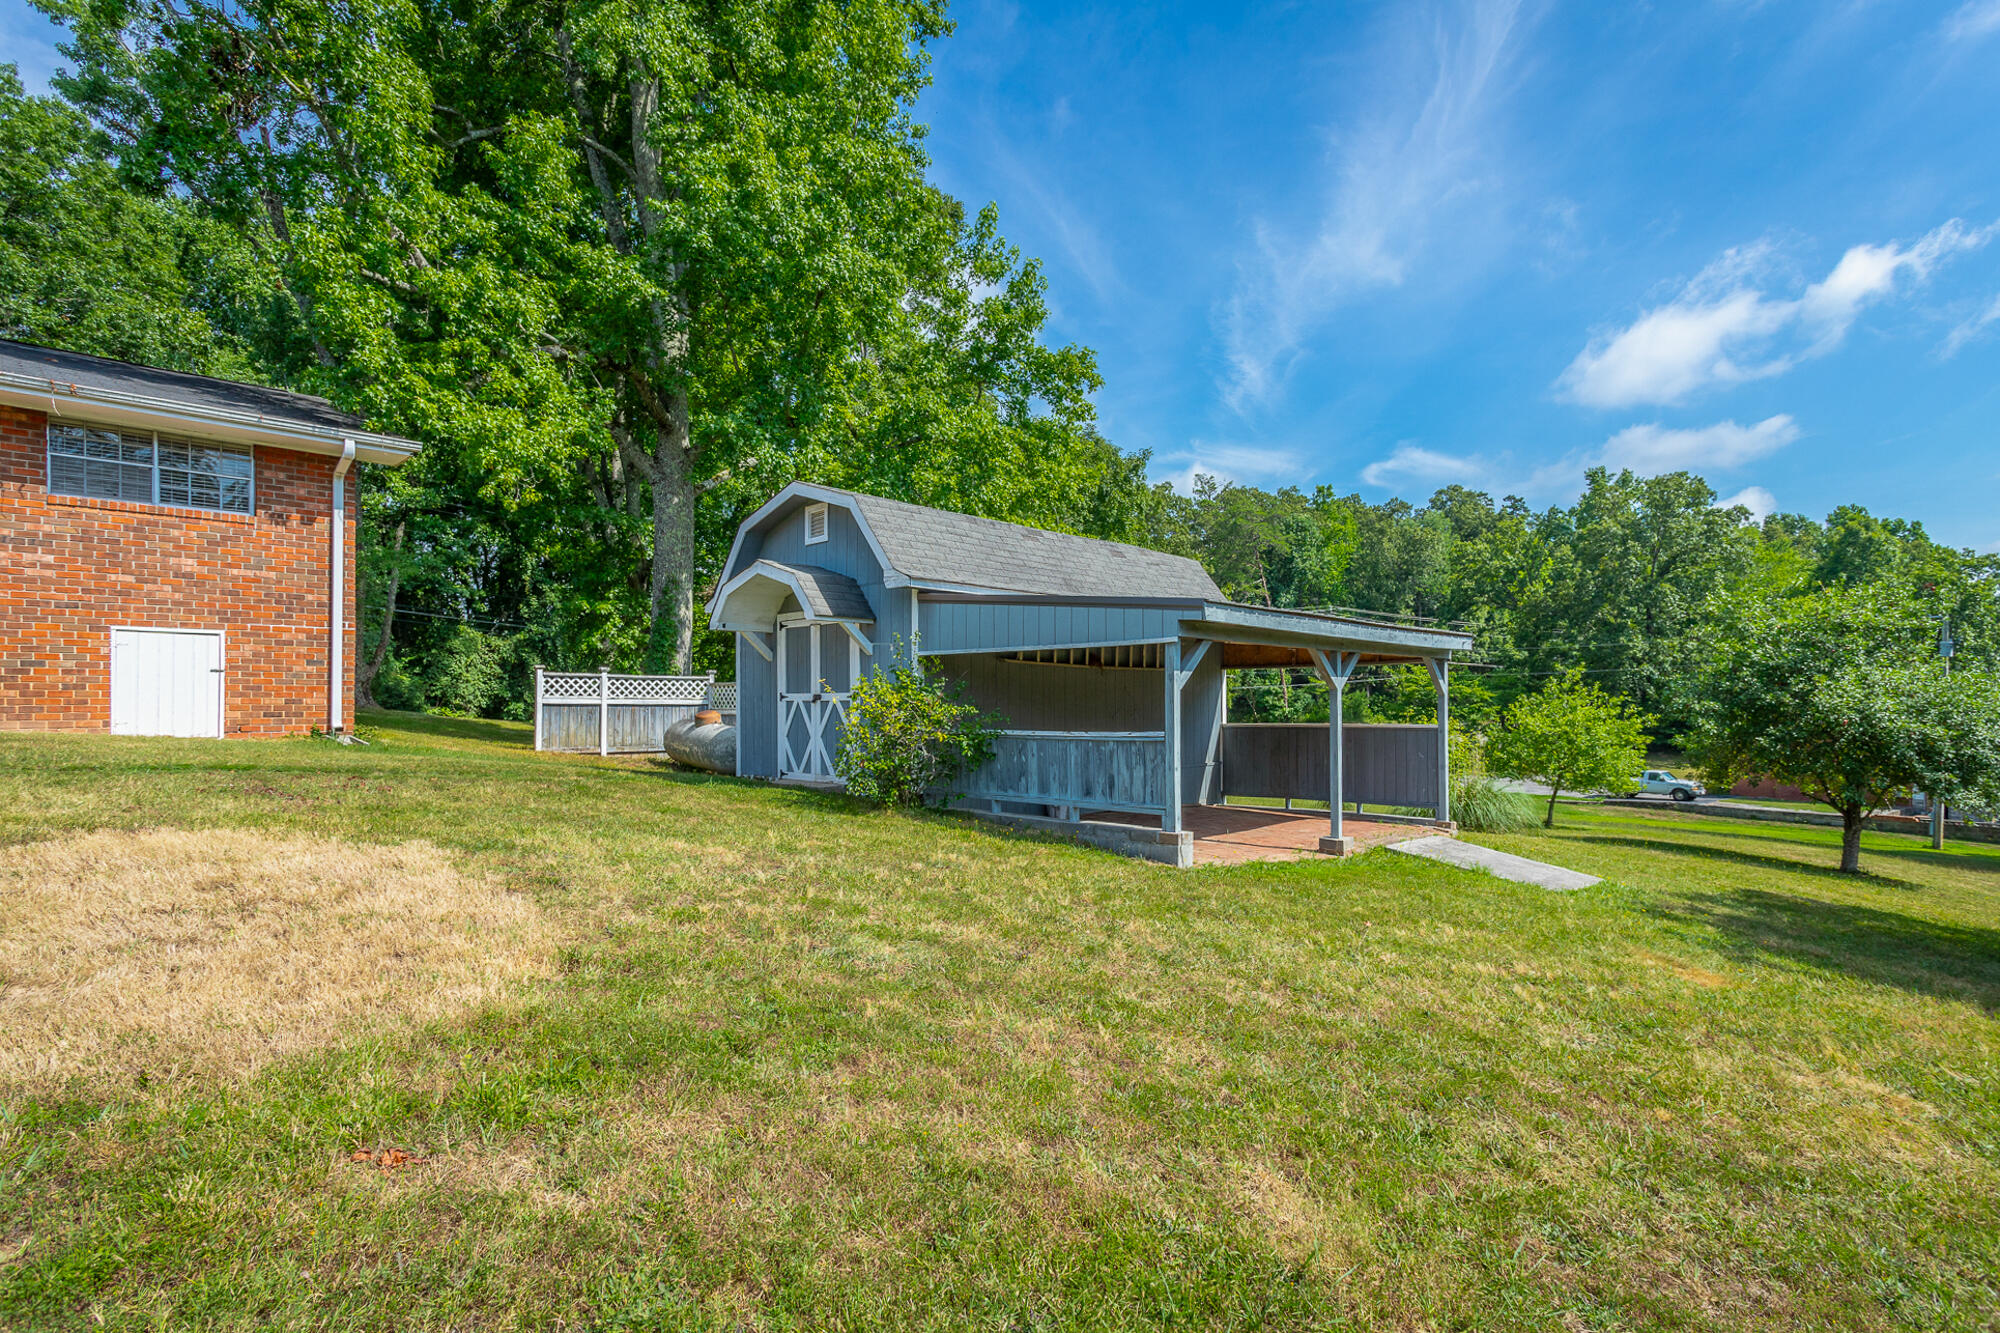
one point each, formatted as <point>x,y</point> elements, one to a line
<point>939,547</point>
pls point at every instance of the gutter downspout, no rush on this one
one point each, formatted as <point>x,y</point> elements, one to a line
<point>337,609</point>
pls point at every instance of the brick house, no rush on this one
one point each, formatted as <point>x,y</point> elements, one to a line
<point>170,561</point>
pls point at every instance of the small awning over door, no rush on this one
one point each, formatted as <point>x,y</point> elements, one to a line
<point>753,600</point>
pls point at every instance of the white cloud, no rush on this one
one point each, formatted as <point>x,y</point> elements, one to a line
<point>1723,328</point>
<point>1248,464</point>
<point>1036,194</point>
<point>1760,502</point>
<point>1653,450</point>
<point>1648,450</point>
<point>1971,328</point>
<point>1974,19</point>
<point>1422,162</point>
<point>1411,463</point>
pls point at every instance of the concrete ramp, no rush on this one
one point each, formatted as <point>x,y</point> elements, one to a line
<point>1470,856</point>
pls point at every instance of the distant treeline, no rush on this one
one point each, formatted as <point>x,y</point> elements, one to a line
<point>1631,582</point>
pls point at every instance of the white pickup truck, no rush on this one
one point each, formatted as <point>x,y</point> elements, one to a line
<point>1659,782</point>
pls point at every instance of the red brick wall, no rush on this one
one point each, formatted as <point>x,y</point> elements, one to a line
<point>1766,789</point>
<point>71,568</point>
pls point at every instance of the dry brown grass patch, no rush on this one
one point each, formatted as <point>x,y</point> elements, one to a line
<point>210,953</point>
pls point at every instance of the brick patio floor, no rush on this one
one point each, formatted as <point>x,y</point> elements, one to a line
<point>1234,834</point>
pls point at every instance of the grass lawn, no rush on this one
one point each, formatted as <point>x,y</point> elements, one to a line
<point>685,1052</point>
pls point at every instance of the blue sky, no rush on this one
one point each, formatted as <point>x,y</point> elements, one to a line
<point>1392,246</point>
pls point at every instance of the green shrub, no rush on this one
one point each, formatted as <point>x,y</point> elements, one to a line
<point>1478,803</point>
<point>1481,805</point>
<point>467,676</point>
<point>909,738</point>
<point>1571,735</point>
<point>394,687</point>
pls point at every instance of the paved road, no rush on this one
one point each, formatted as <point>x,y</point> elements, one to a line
<point>1710,802</point>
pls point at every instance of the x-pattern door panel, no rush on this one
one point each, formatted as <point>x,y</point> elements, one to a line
<point>817,664</point>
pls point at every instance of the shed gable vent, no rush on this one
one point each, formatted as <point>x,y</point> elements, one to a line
<point>815,524</point>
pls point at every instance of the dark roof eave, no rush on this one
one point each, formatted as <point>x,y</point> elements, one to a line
<point>60,382</point>
<point>1313,629</point>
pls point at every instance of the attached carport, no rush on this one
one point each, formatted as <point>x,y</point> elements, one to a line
<point>1144,722</point>
<point>1381,764</point>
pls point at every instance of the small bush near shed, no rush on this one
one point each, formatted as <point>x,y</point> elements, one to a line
<point>1478,803</point>
<point>910,738</point>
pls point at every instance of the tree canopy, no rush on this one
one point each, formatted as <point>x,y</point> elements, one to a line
<point>628,261</point>
<point>1571,735</point>
<point>1840,693</point>
<point>629,267</point>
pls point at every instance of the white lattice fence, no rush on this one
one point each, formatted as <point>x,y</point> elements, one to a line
<point>617,714</point>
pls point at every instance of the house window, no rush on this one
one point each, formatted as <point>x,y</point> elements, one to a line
<point>815,524</point>
<point>149,468</point>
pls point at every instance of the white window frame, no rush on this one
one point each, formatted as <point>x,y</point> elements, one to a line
<point>817,511</point>
<point>49,456</point>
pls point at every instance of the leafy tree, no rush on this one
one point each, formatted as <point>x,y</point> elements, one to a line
<point>909,737</point>
<point>1839,693</point>
<point>1639,561</point>
<point>90,265</point>
<point>1571,734</point>
<point>652,257</point>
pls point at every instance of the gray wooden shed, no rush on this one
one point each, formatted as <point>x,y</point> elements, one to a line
<point>1107,661</point>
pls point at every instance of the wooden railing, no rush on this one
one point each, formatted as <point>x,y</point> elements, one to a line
<point>1076,771</point>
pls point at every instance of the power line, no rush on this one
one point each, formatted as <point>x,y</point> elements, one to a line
<point>463,620</point>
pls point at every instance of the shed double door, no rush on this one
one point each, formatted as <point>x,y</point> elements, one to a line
<point>166,682</point>
<point>817,666</point>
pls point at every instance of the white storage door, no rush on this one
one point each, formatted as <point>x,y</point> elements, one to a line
<point>166,682</point>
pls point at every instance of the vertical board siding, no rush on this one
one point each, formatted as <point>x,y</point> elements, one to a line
<point>983,627</point>
<point>782,537</point>
<point>1382,763</point>
<point>1202,708</point>
<point>1040,696</point>
<point>635,728</point>
<point>756,713</point>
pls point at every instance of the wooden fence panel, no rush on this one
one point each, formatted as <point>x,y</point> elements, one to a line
<point>635,711</point>
<point>569,727</point>
<point>1382,763</point>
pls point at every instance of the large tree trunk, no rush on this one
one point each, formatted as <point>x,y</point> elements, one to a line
<point>364,681</point>
<point>1555,790</point>
<point>1850,838</point>
<point>673,546</point>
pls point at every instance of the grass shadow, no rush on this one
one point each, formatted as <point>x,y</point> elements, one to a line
<point>1867,943</point>
<point>483,731</point>
<point>1750,859</point>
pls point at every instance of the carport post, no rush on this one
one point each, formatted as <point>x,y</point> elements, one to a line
<point>1170,659</point>
<point>1441,677</point>
<point>1336,667</point>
